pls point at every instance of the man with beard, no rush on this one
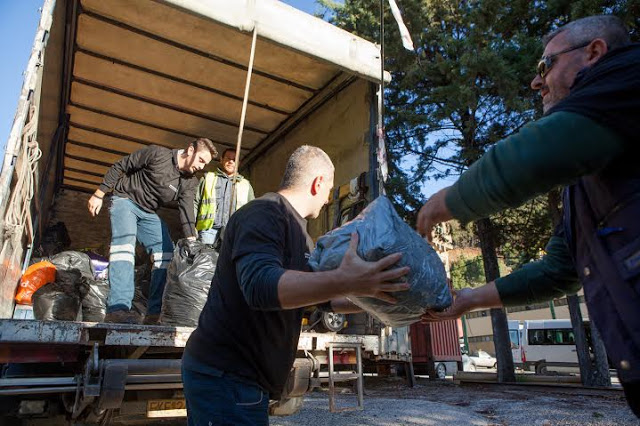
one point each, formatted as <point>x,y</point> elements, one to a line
<point>213,197</point>
<point>589,80</point>
<point>140,184</point>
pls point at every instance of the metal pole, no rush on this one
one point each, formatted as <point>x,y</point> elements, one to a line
<point>552,309</point>
<point>380,130</point>
<point>243,116</point>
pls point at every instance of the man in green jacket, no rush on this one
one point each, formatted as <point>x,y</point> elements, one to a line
<point>588,139</point>
<point>213,198</point>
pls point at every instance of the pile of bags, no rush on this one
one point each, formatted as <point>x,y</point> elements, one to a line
<point>69,286</point>
<point>188,280</point>
<point>381,232</point>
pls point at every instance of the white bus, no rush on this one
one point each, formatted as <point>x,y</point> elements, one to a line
<point>544,345</point>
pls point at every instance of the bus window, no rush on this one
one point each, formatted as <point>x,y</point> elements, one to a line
<point>552,336</point>
<point>515,339</point>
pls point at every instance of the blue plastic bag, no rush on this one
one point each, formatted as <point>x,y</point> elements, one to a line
<point>381,233</point>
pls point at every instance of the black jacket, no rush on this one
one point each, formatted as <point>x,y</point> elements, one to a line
<point>150,178</point>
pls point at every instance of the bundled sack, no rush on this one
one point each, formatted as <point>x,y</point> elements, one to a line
<point>34,277</point>
<point>62,299</point>
<point>94,301</point>
<point>188,281</point>
<point>382,233</point>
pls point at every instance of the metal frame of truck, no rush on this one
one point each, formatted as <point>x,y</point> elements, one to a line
<point>107,78</point>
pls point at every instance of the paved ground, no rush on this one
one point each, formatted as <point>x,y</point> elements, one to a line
<point>391,402</point>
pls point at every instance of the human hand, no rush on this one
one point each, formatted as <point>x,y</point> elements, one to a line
<point>95,204</point>
<point>463,302</point>
<point>371,279</point>
<point>433,212</point>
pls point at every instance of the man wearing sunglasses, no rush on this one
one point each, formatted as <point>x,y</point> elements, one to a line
<point>588,139</point>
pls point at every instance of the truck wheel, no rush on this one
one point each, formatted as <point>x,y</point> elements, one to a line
<point>332,322</point>
<point>441,371</point>
<point>541,369</point>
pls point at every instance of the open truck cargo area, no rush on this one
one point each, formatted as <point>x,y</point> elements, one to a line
<point>107,78</point>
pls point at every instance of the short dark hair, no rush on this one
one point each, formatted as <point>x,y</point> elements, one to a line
<point>607,27</point>
<point>304,165</point>
<point>227,150</point>
<point>204,143</point>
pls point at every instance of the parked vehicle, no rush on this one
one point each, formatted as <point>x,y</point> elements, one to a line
<point>544,345</point>
<point>435,349</point>
<point>483,359</point>
<point>108,78</point>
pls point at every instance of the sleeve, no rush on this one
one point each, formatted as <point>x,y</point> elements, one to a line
<point>128,164</point>
<point>185,207</point>
<point>552,151</point>
<point>551,277</point>
<point>258,253</point>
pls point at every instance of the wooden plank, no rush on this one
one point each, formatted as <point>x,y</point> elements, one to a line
<point>206,36</point>
<point>154,114</point>
<point>83,165</point>
<point>70,174</point>
<point>104,38</point>
<point>91,153</point>
<point>109,72</point>
<point>78,184</point>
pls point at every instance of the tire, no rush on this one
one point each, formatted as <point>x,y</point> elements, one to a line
<point>495,365</point>
<point>331,322</point>
<point>441,371</point>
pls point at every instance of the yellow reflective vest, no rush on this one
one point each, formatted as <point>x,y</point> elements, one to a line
<point>207,208</point>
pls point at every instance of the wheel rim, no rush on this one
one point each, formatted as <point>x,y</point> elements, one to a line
<point>441,371</point>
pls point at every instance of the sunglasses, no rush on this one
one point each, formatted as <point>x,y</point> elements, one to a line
<point>546,62</point>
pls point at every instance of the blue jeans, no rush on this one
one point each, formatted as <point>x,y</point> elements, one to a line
<point>217,398</point>
<point>128,224</point>
<point>208,236</point>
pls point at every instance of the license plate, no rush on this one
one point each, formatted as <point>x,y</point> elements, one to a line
<point>166,408</point>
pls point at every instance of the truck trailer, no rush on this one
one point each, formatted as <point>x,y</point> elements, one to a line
<point>108,78</point>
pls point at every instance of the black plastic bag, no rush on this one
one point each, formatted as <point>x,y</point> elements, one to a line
<point>69,260</point>
<point>94,304</point>
<point>61,300</point>
<point>381,233</point>
<point>142,281</point>
<point>188,281</point>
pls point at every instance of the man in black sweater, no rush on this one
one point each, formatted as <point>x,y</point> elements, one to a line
<point>140,184</point>
<point>245,344</point>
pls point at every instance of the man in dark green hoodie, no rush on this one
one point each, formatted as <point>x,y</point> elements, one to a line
<point>589,80</point>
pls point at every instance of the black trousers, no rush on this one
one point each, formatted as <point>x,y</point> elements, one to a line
<point>632,393</point>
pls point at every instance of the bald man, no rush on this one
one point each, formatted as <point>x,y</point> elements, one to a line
<point>241,353</point>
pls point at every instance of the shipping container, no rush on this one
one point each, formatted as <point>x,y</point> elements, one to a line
<point>435,348</point>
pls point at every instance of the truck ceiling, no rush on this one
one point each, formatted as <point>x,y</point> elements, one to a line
<point>165,72</point>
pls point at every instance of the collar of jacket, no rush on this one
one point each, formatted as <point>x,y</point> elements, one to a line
<point>221,173</point>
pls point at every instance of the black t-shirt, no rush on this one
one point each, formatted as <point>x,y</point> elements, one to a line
<point>242,329</point>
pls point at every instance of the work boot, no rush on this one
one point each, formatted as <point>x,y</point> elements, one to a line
<point>152,319</point>
<point>122,317</point>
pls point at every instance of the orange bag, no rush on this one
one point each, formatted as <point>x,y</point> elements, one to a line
<point>33,278</point>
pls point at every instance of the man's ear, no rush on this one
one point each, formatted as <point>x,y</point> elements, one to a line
<point>596,50</point>
<point>190,150</point>
<point>315,185</point>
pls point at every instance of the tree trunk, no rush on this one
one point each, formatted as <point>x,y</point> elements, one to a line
<point>501,339</point>
<point>601,375</point>
<point>582,345</point>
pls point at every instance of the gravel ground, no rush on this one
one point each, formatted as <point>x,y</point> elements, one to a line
<point>390,402</point>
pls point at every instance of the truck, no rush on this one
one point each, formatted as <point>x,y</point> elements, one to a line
<point>108,78</point>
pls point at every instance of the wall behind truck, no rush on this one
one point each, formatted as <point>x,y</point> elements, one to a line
<point>340,127</point>
<point>94,233</point>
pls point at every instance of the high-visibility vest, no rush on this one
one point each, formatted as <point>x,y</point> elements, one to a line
<point>207,208</point>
